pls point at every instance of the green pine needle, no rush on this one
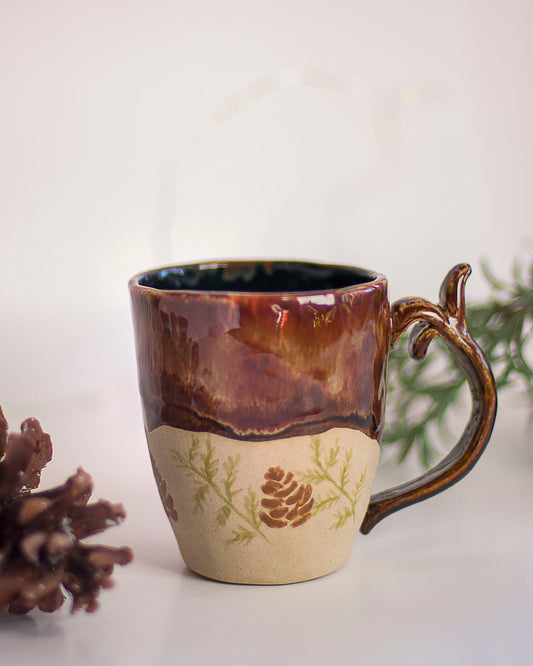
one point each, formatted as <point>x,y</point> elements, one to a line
<point>423,395</point>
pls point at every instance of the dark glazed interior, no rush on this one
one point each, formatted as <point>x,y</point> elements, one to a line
<point>256,276</point>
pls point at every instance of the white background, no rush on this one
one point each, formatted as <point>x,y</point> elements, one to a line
<point>392,135</point>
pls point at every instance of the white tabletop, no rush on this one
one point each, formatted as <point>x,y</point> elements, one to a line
<point>448,581</point>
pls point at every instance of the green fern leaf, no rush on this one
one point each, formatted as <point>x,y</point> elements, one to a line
<point>345,471</point>
<point>317,448</point>
<point>242,535</point>
<point>194,448</point>
<point>342,518</point>
<point>332,459</point>
<point>223,514</point>
<point>321,504</point>
<point>230,467</point>
<point>210,463</point>
<point>200,494</point>
<point>251,506</point>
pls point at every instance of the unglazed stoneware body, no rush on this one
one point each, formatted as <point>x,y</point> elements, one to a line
<point>276,511</point>
<point>263,387</point>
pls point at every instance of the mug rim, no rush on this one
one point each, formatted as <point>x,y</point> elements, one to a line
<point>370,279</point>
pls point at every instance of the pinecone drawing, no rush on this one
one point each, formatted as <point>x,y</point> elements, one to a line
<point>166,497</point>
<point>287,502</point>
<point>41,554</point>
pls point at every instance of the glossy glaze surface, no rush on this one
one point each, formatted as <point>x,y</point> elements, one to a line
<point>446,320</point>
<point>264,362</point>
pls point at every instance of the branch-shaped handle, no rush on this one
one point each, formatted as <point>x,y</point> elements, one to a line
<point>446,320</point>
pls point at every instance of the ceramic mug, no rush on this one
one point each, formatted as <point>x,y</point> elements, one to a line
<point>263,388</point>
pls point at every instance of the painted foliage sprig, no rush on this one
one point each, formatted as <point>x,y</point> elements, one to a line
<point>204,468</point>
<point>333,470</point>
<point>423,395</point>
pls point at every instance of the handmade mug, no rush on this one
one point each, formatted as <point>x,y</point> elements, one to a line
<point>263,387</point>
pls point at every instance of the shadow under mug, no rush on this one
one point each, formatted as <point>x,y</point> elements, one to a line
<point>263,386</point>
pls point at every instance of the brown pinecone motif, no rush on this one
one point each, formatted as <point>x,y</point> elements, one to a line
<point>41,554</point>
<point>166,497</point>
<point>287,503</point>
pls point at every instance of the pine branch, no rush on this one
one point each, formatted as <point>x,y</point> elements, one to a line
<point>242,535</point>
<point>204,477</point>
<point>230,467</point>
<point>325,471</point>
<point>251,506</point>
<point>424,395</point>
<point>325,503</point>
<point>342,517</point>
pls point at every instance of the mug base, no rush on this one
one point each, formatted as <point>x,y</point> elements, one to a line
<point>263,581</point>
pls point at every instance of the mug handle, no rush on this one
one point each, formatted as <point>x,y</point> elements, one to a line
<point>446,320</point>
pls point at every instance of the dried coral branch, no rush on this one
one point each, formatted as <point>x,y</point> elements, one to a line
<point>41,554</point>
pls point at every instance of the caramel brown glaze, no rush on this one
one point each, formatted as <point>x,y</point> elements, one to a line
<point>447,321</point>
<point>262,350</point>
